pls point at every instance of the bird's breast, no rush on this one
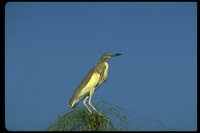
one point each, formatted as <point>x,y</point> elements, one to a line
<point>104,74</point>
<point>106,71</point>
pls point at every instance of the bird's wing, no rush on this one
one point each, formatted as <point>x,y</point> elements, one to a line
<point>83,88</point>
<point>91,84</point>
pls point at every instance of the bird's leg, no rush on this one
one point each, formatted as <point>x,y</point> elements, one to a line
<point>86,104</point>
<point>91,93</point>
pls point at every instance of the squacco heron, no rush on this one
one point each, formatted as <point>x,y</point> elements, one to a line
<point>91,82</point>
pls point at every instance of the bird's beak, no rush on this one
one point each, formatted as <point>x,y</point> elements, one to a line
<point>117,54</point>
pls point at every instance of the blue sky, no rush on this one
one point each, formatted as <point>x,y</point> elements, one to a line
<point>50,47</point>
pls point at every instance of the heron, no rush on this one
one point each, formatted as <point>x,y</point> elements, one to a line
<point>91,82</point>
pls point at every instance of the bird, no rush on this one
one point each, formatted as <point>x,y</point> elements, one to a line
<point>91,82</point>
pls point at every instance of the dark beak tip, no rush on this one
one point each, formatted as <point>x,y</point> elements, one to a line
<point>118,54</point>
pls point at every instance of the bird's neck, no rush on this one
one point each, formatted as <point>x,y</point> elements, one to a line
<point>101,66</point>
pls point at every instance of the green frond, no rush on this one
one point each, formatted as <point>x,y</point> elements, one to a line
<point>113,118</point>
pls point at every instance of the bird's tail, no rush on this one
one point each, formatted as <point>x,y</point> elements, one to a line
<point>72,103</point>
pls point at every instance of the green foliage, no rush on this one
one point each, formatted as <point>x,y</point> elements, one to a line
<point>113,118</point>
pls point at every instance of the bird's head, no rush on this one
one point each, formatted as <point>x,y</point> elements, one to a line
<point>107,56</point>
